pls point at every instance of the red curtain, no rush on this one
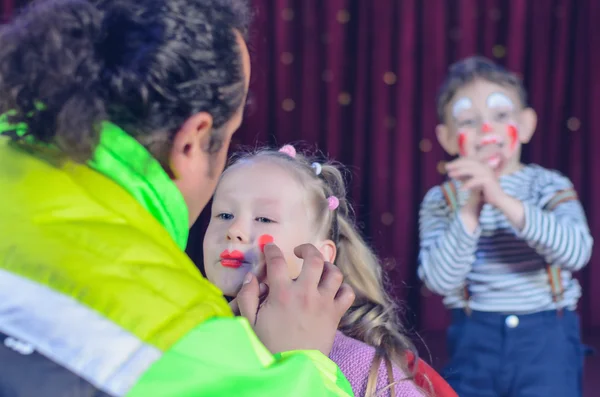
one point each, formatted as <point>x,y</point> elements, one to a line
<point>6,10</point>
<point>358,79</point>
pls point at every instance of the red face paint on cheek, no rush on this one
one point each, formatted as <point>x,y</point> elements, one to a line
<point>513,136</point>
<point>264,240</point>
<point>462,142</point>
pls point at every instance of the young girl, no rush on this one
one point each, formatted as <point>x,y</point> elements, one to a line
<point>287,196</point>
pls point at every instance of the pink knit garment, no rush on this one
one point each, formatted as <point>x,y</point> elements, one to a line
<point>354,359</point>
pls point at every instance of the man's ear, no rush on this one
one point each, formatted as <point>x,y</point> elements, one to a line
<point>192,140</point>
<point>528,124</point>
<point>446,139</point>
<point>328,250</point>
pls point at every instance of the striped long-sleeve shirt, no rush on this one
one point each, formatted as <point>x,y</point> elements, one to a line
<point>503,268</point>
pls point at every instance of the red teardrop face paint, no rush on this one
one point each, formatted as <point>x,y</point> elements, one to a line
<point>513,136</point>
<point>264,240</point>
<point>462,142</point>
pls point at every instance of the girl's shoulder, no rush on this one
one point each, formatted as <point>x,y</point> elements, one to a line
<point>355,359</point>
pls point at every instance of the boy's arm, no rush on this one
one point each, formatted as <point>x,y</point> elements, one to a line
<point>556,228</point>
<point>447,248</point>
<point>223,357</point>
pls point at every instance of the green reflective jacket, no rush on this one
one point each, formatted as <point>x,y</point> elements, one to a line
<point>96,287</point>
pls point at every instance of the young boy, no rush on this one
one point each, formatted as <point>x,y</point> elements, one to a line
<point>499,241</point>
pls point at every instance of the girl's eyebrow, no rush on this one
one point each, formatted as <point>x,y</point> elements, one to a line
<point>265,201</point>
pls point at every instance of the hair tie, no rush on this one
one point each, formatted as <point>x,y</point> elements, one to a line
<point>333,202</point>
<point>318,168</point>
<point>289,150</point>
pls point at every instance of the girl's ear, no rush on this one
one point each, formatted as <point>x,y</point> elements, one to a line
<point>328,250</point>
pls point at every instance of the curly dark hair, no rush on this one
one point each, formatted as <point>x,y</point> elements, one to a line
<point>146,66</point>
<point>470,69</point>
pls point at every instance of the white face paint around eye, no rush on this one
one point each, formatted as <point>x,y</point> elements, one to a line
<point>460,105</point>
<point>499,100</point>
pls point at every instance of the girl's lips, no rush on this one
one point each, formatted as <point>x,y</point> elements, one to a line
<point>231,263</point>
<point>233,259</point>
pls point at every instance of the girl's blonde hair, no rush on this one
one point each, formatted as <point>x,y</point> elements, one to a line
<point>372,318</point>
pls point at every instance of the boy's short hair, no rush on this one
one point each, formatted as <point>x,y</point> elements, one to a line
<point>470,69</point>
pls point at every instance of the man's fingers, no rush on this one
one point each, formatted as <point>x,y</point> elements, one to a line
<point>331,280</point>
<point>312,267</point>
<point>261,272</point>
<point>234,307</point>
<point>263,289</point>
<point>248,298</point>
<point>263,294</point>
<point>344,298</point>
<point>276,267</point>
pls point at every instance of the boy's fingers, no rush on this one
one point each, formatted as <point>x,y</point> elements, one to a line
<point>459,162</point>
<point>461,173</point>
<point>468,171</point>
<point>473,183</point>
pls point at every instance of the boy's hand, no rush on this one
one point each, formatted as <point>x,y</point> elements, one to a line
<point>477,177</point>
<point>469,212</point>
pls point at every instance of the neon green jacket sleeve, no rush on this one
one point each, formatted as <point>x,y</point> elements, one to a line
<point>223,357</point>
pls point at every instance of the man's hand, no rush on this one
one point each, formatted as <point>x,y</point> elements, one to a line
<point>300,314</point>
<point>263,290</point>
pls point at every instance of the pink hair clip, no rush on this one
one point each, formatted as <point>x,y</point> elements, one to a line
<point>289,150</point>
<point>334,202</point>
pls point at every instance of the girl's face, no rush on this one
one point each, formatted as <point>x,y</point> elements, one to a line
<point>255,198</point>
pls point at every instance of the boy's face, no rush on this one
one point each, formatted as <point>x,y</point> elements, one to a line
<point>487,122</point>
<point>255,198</point>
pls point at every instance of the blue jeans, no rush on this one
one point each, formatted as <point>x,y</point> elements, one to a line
<point>498,355</point>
